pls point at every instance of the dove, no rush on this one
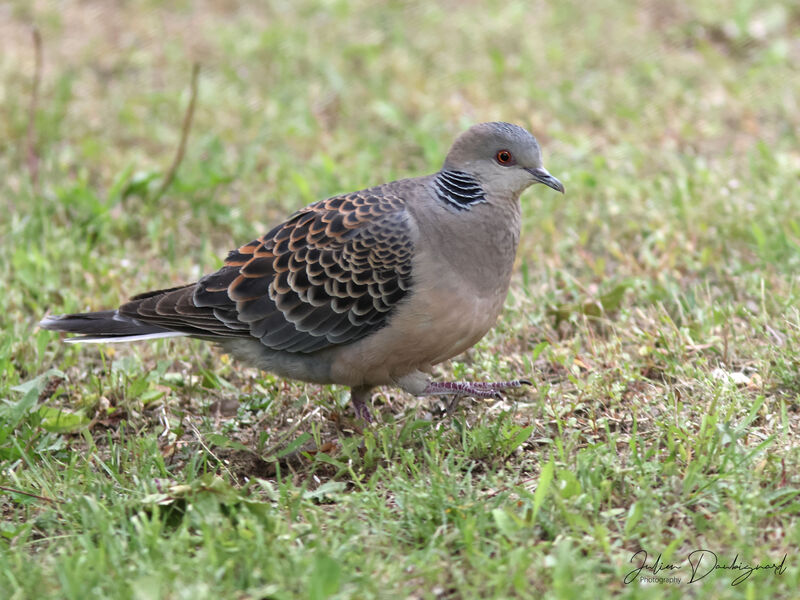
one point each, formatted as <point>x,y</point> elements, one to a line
<point>366,289</point>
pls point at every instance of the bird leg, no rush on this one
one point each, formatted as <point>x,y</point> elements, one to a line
<point>488,389</point>
<point>359,396</point>
<point>480,389</point>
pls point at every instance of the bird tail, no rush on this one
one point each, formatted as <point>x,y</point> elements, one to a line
<point>105,326</point>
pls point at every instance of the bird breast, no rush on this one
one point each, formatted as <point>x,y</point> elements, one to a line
<point>460,278</point>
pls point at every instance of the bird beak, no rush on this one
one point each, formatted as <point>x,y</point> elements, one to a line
<point>541,175</point>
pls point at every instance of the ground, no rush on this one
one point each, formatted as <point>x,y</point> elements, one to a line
<point>654,306</point>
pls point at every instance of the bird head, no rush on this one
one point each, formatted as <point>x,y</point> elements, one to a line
<point>504,158</point>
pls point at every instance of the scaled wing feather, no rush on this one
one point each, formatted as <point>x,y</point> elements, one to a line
<point>331,274</point>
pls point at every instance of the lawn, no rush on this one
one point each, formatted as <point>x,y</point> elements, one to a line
<point>655,307</point>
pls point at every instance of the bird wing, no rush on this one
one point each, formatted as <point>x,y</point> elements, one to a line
<point>331,274</point>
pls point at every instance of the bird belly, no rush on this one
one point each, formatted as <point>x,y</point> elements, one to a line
<point>425,331</point>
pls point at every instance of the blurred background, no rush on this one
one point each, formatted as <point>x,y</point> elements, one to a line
<point>655,305</point>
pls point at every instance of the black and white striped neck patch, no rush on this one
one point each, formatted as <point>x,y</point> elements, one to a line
<point>458,189</point>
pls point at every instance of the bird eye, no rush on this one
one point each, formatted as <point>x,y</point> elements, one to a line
<point>504,157</point>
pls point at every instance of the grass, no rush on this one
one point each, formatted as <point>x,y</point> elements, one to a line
<point>655,306</point>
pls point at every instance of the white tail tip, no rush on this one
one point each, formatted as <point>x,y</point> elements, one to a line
<point>124,338</point>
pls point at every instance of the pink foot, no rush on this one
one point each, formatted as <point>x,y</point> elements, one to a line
<point>489,389</point>
<point>359,398</point>
<point>479,389</point>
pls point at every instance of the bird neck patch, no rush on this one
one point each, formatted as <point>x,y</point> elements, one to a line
<point>458,189</point>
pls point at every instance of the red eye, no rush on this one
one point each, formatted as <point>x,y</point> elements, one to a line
<point>504,157</point>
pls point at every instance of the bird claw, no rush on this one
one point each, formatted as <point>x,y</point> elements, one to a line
<point>451,406</point>
<point>359,399</point>
<point>362,411</point>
